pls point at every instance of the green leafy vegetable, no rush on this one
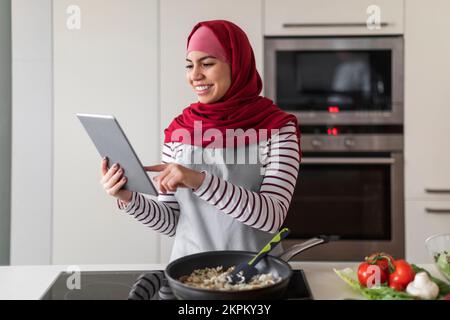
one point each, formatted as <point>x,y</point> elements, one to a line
<point>443,263</point>
<point>375,293</point>
<point>384,292</point>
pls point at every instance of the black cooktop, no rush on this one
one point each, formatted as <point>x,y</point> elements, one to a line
<point>116,285</point>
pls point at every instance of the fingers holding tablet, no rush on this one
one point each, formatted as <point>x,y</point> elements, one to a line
<point>113,180</point>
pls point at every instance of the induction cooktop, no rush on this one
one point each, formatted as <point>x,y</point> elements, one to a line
<point>117,285</point>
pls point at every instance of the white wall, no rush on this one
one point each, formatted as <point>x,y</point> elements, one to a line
<point>108,66</point>
<point>31,209</point>
<point>5,129</point>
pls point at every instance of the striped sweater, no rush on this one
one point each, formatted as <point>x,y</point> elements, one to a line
<point>264,210</point>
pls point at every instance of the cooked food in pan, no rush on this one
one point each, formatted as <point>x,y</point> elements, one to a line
<point>216,279</point>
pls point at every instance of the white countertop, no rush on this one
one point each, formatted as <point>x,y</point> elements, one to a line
<point>30,282</point>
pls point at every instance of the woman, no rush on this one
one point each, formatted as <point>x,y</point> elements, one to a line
<point>221,204</point>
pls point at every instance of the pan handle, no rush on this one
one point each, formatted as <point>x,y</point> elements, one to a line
<point>298,248</point>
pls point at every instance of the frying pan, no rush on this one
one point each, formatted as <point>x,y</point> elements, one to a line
<point>278,266</point>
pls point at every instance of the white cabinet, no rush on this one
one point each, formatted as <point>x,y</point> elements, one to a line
<point>423,219</point>
<point>427,96</point>
<point>107,66</point>
<point>177,20</point>
<point>427,120</point>
<point>32,153</point>
<point>327,17</point>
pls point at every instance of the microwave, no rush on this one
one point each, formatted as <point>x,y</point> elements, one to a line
<point>337,80</point>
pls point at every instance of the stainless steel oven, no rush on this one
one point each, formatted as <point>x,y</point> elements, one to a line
<point>351,185</point>
<point>340,80</point>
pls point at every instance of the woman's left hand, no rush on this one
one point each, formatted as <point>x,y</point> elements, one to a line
<point>175,176</point>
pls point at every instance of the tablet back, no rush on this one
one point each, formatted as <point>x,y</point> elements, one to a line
<point>110,141</point>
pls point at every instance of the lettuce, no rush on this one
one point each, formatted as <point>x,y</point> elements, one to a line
<point>382,292</point>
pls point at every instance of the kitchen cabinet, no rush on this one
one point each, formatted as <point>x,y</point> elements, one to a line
<point>423,219</point>
<point>31,132</point>
<point>176,94</point>
<point>325,17</point>
<point>104,63</point>
<point>427,117</point>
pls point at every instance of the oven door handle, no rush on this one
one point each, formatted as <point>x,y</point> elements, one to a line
<point>331,160</point>
<point>438,211</point>
<point>432,190</point>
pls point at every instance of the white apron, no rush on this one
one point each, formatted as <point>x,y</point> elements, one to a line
<point>201,226</point>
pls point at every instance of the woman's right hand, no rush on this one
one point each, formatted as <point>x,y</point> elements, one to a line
<point>113,180</point>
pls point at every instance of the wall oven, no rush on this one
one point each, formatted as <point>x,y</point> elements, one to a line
<point>351,185</point>
<point>347,93</point>
<point>341,80</point>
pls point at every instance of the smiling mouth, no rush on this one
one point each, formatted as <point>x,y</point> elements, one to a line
<point>203,90</point>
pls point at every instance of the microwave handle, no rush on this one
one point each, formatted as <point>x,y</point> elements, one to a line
<point>331,160</point>
<point>329,24</point>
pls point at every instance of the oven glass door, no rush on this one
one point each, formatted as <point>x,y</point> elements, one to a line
<point>349,197</point>
<point>334,81</point>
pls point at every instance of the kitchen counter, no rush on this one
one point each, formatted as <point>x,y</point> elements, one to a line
<point>30,282</point>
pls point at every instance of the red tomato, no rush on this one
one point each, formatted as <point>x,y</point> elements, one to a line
<point>383,260</point>
<point>371,274</point>
<point>402,275</point>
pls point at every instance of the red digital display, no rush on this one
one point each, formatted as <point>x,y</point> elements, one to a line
<point>332,131</point>
<point>333,109</point>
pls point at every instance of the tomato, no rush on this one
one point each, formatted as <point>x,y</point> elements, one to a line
<point>383,260</point>
<point>402,275</point>
<point>367,275</point>
<point>371,274</point>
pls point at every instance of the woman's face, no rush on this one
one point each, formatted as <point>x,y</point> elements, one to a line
<point>209,77</point>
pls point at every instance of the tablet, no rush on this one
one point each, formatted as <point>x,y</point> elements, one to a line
<point>110,141</point>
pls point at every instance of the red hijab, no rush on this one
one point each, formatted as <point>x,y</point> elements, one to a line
<point>241,107</point>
